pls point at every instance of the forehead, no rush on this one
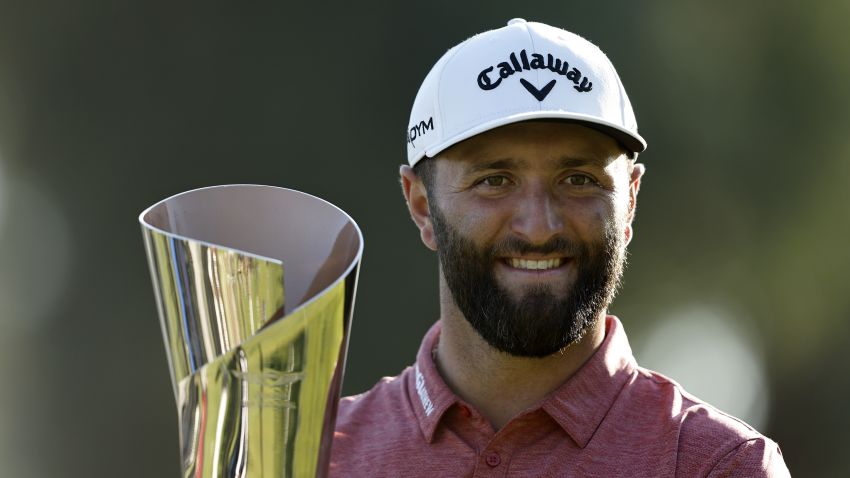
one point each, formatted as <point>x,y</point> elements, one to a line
<point>555,143</point>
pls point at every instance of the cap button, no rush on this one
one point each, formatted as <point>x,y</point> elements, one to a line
<point>514,21</point>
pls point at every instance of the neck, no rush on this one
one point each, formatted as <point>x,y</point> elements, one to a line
<point>498,385</point>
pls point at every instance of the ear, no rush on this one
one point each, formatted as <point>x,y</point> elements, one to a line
<point>417,203</point>
<point>634,186</point>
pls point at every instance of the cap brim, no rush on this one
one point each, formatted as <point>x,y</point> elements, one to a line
<point>632,141</point>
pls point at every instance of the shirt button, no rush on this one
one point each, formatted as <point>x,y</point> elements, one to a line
<point>493,459</point>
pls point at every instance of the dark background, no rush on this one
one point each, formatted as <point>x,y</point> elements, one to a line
<point>740,258</point>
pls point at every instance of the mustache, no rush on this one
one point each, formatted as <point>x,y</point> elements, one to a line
<point>556,245</point>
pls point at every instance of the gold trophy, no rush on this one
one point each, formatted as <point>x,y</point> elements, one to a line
<point>256,377</point>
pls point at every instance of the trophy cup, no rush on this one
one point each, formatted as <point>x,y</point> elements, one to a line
<point>256,377</point>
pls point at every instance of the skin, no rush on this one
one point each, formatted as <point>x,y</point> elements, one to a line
<point>532,180</point>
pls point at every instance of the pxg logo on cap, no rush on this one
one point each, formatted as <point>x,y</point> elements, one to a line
<point>520,72</point>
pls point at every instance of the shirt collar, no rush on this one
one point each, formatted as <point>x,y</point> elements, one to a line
<point>578,406</point>
<point>429,394</point>
<point>583,401</point>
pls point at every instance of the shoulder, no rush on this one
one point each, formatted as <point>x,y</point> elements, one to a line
<point>386,398</point>
<point>696,419</point>
<point>367,424</point>
<point>710,442</point>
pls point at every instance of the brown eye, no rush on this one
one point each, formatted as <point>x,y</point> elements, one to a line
<point>495,181</point>
<point>579,180</point>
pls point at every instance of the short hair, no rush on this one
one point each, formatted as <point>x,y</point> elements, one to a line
<point>426,171</point>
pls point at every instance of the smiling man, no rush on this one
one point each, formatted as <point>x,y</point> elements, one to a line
<point>522,176</point>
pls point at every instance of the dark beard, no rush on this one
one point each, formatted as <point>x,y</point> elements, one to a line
<point>543,321</point>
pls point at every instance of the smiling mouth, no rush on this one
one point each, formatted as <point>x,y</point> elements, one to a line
<point>534,264</point>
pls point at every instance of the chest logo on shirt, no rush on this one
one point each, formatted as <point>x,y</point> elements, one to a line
<point>518,63</point>
<point>423,393</point>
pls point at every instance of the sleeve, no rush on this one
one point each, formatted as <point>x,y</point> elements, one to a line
<point>755,458</point>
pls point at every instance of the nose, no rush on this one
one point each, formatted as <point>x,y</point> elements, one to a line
<point>537,216</point>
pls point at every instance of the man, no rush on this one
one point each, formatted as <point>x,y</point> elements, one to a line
<point>523,178</point>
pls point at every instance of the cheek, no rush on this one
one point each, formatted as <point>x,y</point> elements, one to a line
<point>621,209</point>
<point>592,218</point>
<point>587,210</point>
<point>479,219</point>
<point>614,206</point>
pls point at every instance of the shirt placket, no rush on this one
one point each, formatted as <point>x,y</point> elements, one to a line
<point>494,459</point>
<point>492,451</point>
<point>493,462</point>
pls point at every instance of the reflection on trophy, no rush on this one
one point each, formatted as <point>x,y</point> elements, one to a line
<point>256,377</point>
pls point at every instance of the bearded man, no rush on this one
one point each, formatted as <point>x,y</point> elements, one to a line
<point>522,176</point>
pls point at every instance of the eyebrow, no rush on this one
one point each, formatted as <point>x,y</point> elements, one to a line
<point>505,163</point>
<point>572,162</point>
<point>513,163</point>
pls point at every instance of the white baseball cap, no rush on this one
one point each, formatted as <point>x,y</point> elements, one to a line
<point>520,72</point>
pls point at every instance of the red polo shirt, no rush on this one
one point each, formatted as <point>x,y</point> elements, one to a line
<point>612,418</point>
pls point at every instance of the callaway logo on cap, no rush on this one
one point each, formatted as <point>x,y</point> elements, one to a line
<point>523,71</point>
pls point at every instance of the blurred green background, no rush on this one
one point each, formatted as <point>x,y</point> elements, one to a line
<point>738,277</point>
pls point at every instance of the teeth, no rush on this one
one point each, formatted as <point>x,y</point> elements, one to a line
<point>535,265</point>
